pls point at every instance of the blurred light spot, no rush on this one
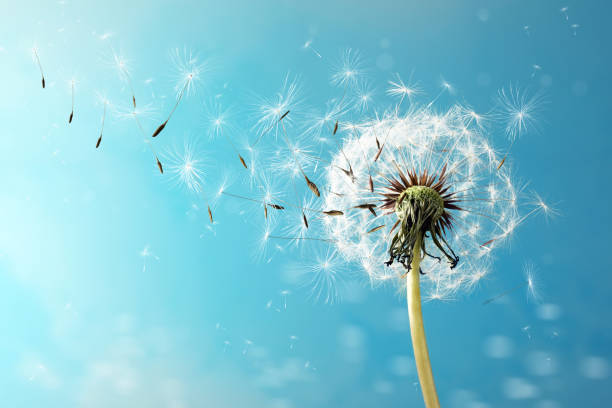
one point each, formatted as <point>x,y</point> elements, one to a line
<point>351,340</point>
<point>548,311</point>
<point>383,387</point>
<point>547,404</point>
<point>483,15</point>
<point>580,88</point>
<point>546,80</point>
<point>402,366</point>
<point>398,319</point>
<point>483,79</point>
<point>518,388</point>
<point>541,363</point>
<point>595,368</point>
<point>498,347</point>
<point>385,43</point>
<point>384,62</point>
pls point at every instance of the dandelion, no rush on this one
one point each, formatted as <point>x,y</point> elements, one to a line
<point>443,204</point>
<point>575,28</point>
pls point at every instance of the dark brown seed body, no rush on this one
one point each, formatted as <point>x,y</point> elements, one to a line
<point>501,163</point>
<point>276,206</point>
<point>371,184</point>
<point>43,82</point>
<point>335,128</point>
<point>70,117</point>
<point>487,243</point>
<point>242,161</point>
<point>99,141</point>
<point>376,229</point>
<point>333,213</point>
<point>380,149</point>
<point>305,220</point>
<point>283,116</point>
<point>159,165</point>
<point>312,186</point>
<point>159,129</point>
<point>210,217</point>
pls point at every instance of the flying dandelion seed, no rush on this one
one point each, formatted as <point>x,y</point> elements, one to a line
<point>564,12</point>
<point>218,121</point>
<point>189,72</point>
<point>121,64</point>
<point>105,103</point>
<point>397,88</point>
<point>186,166</point>
<point>37,60</point>
<point>325,276</point>
<point>575,28</point>
<point>529,284</point>
<point>530,270</point>
<point>519,110</point>
<point>308,46</point>
<point>273,112</point>
<point>138,114</point>
<point>72,83</point>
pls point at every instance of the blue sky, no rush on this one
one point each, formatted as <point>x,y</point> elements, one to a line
<point>88,321</point>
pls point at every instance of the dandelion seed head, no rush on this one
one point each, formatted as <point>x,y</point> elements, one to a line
<point>423,141</point>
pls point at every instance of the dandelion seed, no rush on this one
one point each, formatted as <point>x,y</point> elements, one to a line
<point>335,128</point>
<point>186,165</point>
<point>270,111</point>
<point>218,120</point>
<point>519,110</point>
<point>308,46</point>
<point>575,28</point>
<point>210,216</point>
<point>72,82</point>
<point>377,228</point>
<point>399,89</point>
<point>189,72</point>
<point>37,59</point>
<point>312,186</point>
<point>105,102</point>
<point>333,213</point>
<point>564,12</point>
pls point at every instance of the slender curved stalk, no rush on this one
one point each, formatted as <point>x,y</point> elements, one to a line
<point>417,331</point>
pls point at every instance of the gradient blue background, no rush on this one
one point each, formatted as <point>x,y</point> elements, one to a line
<point>83,324</point>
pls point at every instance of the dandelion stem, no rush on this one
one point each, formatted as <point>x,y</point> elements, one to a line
<point>417,331</point>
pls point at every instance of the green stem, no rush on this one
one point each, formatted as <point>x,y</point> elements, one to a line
<point>417,331</point>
